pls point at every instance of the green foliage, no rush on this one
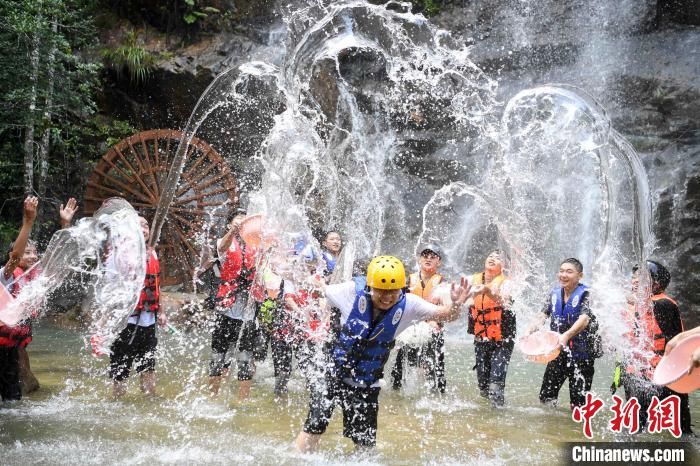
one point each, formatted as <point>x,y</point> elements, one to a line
<point>193,13</point>
<point>78,136</point>
<point>427,7</point>
<point>131,57</point>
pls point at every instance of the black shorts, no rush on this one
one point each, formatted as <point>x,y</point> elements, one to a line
<point>360,408</point>
<point>225,336</point>
<point>134,344</point>
<point>10,388</point>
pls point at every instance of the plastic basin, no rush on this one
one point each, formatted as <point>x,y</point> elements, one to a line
<point>540,347</point>
<point>672,370</point>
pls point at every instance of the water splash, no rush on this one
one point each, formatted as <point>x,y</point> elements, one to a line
<point>100,260</point>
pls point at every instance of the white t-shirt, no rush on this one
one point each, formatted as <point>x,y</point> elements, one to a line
<point>417,309</point>
<point>5,282</point>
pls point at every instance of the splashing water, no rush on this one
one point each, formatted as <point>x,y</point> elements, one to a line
<point>101,259</point>
<point>334,135</point>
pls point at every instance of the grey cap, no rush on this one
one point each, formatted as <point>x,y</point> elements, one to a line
<point>430,247</point>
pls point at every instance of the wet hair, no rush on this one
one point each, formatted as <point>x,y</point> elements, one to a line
<point>575,262</point>
<point>497,251</point>
<point>234,213</point>
<point>30,242</point>
<point>660,276</point>
<point>328,232</point>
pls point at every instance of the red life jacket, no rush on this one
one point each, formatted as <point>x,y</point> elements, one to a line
<point>149,300</point>
<point>19,335</point>
<point>238,269</point>
<point>487,313</point>
<point>311,326</point>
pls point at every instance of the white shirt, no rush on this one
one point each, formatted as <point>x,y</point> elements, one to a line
<point>417,309</point>
<point>5,282</point>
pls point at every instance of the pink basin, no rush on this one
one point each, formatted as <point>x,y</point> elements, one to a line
<point>542,346</point>
<point>251,230</point>
<point>5,310</point>
<point>672,370</point>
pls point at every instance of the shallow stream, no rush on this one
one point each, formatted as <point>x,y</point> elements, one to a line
<point>72,418</point>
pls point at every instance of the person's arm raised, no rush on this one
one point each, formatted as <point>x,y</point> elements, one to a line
<point>459,294</point>
<point>28,217</point>
<point>65,214</point>
<point>227,239</point>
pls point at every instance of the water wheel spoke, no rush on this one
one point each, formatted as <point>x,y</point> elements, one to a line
<point>209,182</point>
<point>149,167</point>
<point>185,258</point>
<point>202,212</point>
<point>136,175</point>
<point>192,183</point>
<point>185,221</point>
<point>125,187</point>
<point>188,174</point>
<point>197,197</point>
<point>119,169</point>
<point>183,240</point>
<point>142,167</point>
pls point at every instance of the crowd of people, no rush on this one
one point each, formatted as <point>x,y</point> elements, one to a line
<point>341,334</point>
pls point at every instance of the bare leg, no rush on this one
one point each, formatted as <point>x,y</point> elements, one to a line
<point>307,443</point>
<point>148,382</point>
<point>215,385</point>
<point>244,387</point>
<point>119,388</point>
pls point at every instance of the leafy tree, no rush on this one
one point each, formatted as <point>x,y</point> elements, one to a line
<point>49,75</point>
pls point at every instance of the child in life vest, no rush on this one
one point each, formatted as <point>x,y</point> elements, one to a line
<point>569,309</point>
<point>19,270</point>
<point>22,256</point>
<point>136,344</point>
<point>493,325</point>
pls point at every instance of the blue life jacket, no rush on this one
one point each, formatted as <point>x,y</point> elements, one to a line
<point>362,348</point>
<point>330,261</point>
<point>564,315</point>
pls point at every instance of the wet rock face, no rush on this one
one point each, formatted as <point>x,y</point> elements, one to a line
<point>641,60</point>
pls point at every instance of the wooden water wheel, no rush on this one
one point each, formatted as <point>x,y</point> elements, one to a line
<point>136,169</point>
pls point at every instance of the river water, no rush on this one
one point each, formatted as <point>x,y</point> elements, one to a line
<point>72,418</point>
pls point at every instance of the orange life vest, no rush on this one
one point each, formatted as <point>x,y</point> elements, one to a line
<point>423,289</point>
<point>486,313</point>
<point>149,300</point>
<point>647,336</point>
<point>19,335</point>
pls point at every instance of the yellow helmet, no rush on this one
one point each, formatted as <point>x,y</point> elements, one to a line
<point>386,273</point>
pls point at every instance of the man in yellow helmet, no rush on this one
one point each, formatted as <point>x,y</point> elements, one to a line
<point>373,314</point>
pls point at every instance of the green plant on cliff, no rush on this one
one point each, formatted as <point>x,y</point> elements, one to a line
<point>195,12</point>
<point>132,58</point>
<point>427,7</point>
